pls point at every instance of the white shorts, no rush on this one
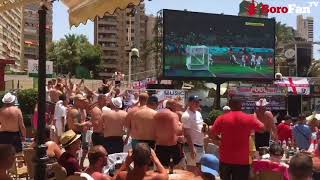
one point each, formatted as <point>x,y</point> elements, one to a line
<point>189,159</point>
<point>59,129</point>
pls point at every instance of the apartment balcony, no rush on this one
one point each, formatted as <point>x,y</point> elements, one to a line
<point>106,56</point>
<point>108,65</point>
<point>108,39</point>
<point>111,31</point>
<point>108,22</point>
<point>30,31</point>
<point>109,48</point>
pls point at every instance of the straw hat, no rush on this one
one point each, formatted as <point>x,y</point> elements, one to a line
<point>68,138</point>
<point>8,98</point>
<point>79,97</point>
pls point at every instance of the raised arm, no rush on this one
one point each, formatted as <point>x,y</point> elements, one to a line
<point>74,121</point>
<point>274,132</point>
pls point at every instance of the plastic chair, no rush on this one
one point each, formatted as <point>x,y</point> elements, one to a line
<point>19,169</point>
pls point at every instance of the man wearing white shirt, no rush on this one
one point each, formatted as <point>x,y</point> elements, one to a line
<point>192,125</point>
<point>60,114</point>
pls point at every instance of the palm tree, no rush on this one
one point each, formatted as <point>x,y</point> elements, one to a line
<point>314,69</point>
<point>284,35</point>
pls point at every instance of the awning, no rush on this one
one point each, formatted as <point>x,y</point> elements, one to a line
<point>82,10</point>
<point>295,85</point>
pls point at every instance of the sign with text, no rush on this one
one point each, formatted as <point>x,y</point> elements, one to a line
<point>256,91</point>
<point>275,102</point>
<point>250,95</point>
<point>33,68</point>
<point>164,94</point>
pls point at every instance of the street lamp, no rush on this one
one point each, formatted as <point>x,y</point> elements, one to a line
<point>133,55</point>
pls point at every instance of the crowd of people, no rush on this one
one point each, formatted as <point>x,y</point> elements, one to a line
<point>86,124</point>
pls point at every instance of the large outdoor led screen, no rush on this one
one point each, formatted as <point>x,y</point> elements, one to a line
<point>212,46</point>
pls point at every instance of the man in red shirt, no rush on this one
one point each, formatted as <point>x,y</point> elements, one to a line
<point>235,128</point>
<point>284,129</point>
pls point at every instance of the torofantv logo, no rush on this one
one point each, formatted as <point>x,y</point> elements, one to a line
<point>253,8</point>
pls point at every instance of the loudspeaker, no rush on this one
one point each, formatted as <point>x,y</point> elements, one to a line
<point>294,105</point>
<point>303,60</point>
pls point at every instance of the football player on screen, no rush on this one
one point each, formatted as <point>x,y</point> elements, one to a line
<point>253,60</point>
<point>258,63</point>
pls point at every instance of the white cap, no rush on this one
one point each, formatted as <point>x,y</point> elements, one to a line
<point>226,108</point>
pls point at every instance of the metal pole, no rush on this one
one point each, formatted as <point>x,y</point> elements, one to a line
<point>296,58</point>
<point>40,172</point>
<point>129,78</point>
<point>218,96</point>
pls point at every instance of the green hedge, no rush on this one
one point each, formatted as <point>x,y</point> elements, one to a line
<point>27,100</point>
<point>213,116</point>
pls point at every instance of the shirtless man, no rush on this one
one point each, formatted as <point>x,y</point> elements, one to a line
<point>97,124</point>
<point>103,100</point>
<point>266,117</point>
<point>114,124</point>
<point>167,146</point>
<point>140,123</point>
<point>98,159</point>
<point>55,92</point>
<point>76,121</point>
<point>175,106</point>
<point>141,156</point>
<point>12,129</point>
<point>49,86</point>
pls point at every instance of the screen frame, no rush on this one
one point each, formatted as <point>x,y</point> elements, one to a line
<point>214,79</point>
